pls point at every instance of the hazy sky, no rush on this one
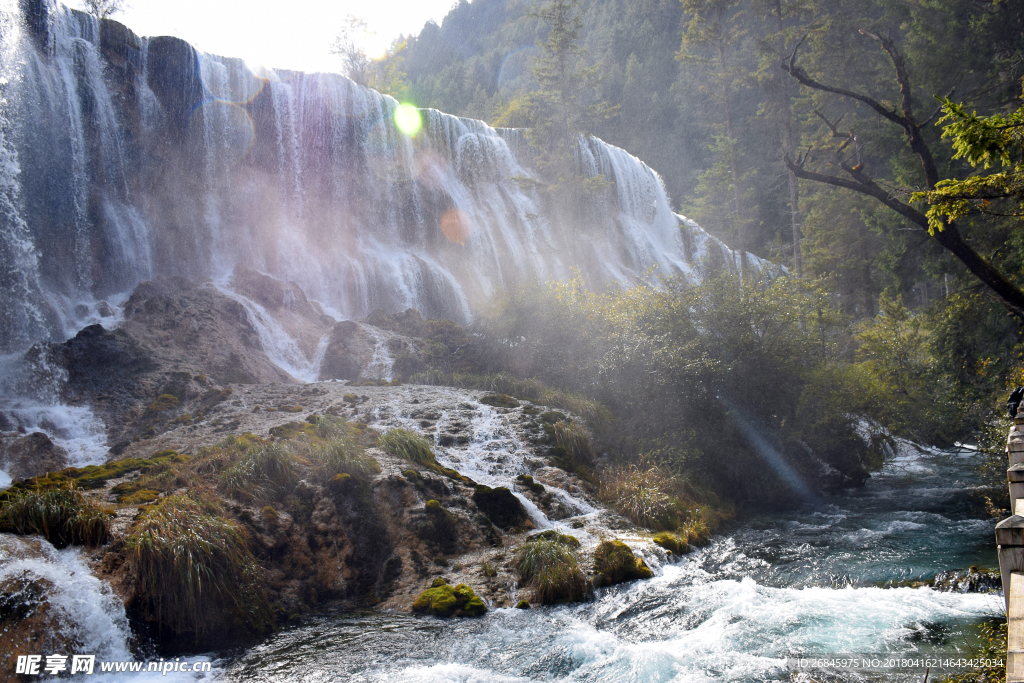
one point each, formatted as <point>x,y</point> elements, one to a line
<point>296,34</point>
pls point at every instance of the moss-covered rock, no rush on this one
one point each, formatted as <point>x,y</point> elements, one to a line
<point>442,600</point>
<point>672,543</point>
<point>523,604</point>
<point>501,506</point>
<point>553,535</point>
<point>528,482</point>
<point>500,401</point>
<point>614,563</point>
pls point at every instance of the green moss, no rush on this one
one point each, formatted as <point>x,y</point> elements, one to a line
<point>523,604</point>
<point>163,402</point>
<point>552,417</point>
<point>269,514</point>
<point>442,600</point>
<point>95,476</point>
<point>672,543</point>
<point>527,481</point>
<point>413,476</point>
<point>438,582</point>
<point>501,506</point>
<point>140,497</point>
<point>614,562</point>
<point>290,409</point>
<point>500,401</point>
<point>185,419</point>
<point>553,535</point>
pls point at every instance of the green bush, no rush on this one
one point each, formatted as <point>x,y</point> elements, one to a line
<point>193,571</point>
<point>62,515</point>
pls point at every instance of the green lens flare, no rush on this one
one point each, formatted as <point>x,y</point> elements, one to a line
<point>408,120</point>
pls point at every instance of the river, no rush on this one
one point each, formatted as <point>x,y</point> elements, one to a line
<point>802,583</point>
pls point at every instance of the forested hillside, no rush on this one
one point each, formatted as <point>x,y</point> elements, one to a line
<point>799,130</point>
<point>704,100</point>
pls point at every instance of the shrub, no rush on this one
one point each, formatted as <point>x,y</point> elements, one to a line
<point>404,443</point>
<point>63,515</point>
<point>193,571</point>
<point>551,569</point>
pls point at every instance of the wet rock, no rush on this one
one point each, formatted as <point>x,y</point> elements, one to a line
<point>31,455</point>
<point>29,624</point>
<point>349,351</point>
<point>971,580</point>
<point>501,506</point>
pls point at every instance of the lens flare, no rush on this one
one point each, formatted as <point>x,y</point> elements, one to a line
<point>456,226</point>
<point>408,119</point>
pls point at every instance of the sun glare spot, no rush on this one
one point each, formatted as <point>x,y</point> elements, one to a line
<point>408,120</point>
<point>456,226</point>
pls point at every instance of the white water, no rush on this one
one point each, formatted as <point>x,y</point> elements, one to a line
<point>769,588</point>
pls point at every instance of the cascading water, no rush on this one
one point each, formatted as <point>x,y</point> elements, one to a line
<point>124,158</point>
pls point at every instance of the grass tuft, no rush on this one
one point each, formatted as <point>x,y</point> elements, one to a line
<point>407,444</point>
<point>193,569</point>
<point>63,515</point>
<point>266,472</point>
<point>552,570</point>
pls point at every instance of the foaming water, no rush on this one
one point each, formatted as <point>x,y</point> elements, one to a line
<point>768,588</point>
<point>89,613</point>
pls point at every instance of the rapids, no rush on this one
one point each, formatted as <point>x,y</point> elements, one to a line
<point>793,584</point>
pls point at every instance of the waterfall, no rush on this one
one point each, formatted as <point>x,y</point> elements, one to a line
<point>123,158</point>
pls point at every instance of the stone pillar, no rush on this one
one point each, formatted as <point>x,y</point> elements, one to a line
<point>1010,541</point>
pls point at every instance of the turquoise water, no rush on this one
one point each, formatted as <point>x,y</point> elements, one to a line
<point>800,583</point>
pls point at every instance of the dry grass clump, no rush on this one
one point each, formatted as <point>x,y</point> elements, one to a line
<point>407,444</point>
<point>63,515</point>
<point>642,492</point>
<point>193,569</point>
<point>552,570</point>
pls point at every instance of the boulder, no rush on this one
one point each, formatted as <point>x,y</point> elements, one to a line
<point>349,351</point>
<point>31,455</point>
<point>501,506</point>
